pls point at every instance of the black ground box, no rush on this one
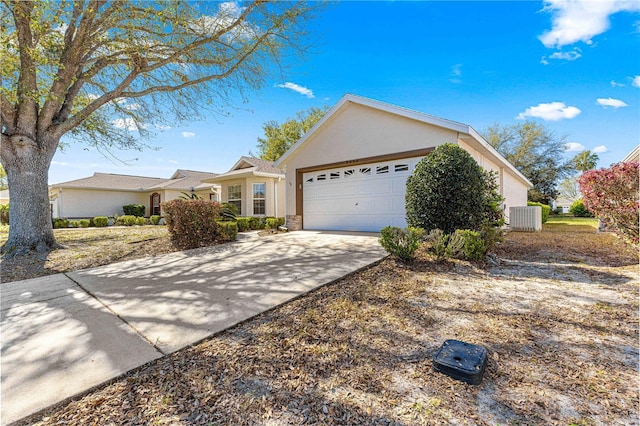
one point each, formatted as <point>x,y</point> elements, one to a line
<point>462,361</point>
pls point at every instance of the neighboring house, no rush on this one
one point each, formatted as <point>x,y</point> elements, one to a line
<point>104,194</point>
<point>254,186</point>
<point>634,155</point>
<point>4,196</point>
<point>349,171</point>
<point>562,203</point>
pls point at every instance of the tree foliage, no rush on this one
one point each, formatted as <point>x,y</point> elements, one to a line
<point>278,138</point>
<point>108,72</point>
<point>448,190</point>
<point>612,195</point>
<point>536,152</point>
<point>585,160</point>
<point>3,178</point>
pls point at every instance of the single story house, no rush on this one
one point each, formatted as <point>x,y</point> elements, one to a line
<point>254,186</point>
<point>564,204</point>
<point>104,194</point>
<point>349,171</point>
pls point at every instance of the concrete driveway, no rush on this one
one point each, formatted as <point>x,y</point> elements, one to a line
<point>66,333</point>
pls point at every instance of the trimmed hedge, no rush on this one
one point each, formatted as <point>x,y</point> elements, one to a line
<point>84,223</point>
<point>193,223</point>
<point>134,210</point>
<point>60,222</point>
<point>100,221</point>
<point>154,219</point>
<point>273,222</point>
<point>545,210</point>
<point>243,224</point>
<point>228,231</point>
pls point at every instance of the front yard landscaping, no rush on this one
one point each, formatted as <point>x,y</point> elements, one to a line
<point>556,310</point>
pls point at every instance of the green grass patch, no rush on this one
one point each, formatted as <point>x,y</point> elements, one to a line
<point>570,220</point>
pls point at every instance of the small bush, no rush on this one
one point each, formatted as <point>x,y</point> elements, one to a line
<point>192,223</point>
<point>154,219</point>
<point>229,212</point>
<point>399,242</point>
<point>141,221</point>
<point>256,222</point>
<point>273,222</point>
<point>60,223</point>
<point>228,231</point>
<point>491,236</point>
<point>84,223</point>
<point>545,210</point>
<point>243,224</point>
<point>100,221</point>
<point>579,210</point>
<point>465,244</point>
<point>126,220</point>
<point>437,241</point>
<point>74,224</point>
<point>4,214</point>
<point>134,210</point>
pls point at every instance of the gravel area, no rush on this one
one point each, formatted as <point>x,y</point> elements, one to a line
<point>557,312</point>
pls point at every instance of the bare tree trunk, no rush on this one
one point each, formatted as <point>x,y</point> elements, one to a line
<point>27,165</point>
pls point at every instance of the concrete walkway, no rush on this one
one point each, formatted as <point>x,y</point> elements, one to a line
<point>66,333</point>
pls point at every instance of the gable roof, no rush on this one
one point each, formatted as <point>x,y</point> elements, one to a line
<point>634,155</point>
<point>251,166</point>
<point>180,180</point>
<point>461,128</point>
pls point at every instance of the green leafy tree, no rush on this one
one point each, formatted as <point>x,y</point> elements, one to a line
<point>278,138</point>
<point>109,72</point>
<point>3,178</point>
<point>585,160</point>
<point>448,190</point>
<point>536,152</point>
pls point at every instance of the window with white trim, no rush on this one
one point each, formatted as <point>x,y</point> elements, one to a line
<point>259,198</point>
<point>234,196</point>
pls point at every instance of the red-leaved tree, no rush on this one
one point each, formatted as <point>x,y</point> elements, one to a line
<point>612,195</point>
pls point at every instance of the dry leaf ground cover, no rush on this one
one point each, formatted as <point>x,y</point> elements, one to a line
<point>557,312</point>
<point>86,248</point>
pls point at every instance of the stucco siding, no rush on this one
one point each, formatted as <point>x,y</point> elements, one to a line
<point>87,203</point>
<point>360,132</point>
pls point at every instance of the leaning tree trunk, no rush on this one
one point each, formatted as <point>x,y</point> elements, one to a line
<point>27,165</point>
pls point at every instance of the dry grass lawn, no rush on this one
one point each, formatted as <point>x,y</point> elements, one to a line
<point>557,312</point>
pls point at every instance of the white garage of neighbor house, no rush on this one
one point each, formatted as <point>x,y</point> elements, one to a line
<point>348,173</point>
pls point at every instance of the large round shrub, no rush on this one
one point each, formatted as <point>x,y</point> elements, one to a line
<point>449,190</point>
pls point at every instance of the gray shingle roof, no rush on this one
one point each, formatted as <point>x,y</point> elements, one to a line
<point>260,165</point>
<point>181,180</point>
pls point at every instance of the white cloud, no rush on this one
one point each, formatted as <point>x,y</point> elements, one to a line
<point>188,134</point>
<point>610,102</point>
<point>126,123</point>
<point>456,71</point>
<point>574,147</point>
<point>552,111</point>
<point>297,88</point>
<point>599,149</point>
<point>636,81</point>
<point>581,20</point>
<point>567,56</point>
<point>616,84</point>
<point>162,127</point>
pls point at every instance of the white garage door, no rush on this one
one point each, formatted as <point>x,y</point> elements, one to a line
<point>366,197</point>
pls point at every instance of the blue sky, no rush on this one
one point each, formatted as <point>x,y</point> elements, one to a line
<point>573,66</point>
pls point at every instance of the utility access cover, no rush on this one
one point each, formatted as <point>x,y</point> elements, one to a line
<point>461,361</point>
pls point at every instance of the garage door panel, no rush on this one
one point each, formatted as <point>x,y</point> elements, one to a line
<point>358,198</point>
